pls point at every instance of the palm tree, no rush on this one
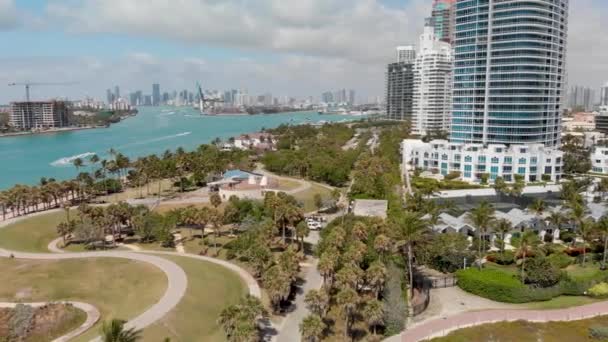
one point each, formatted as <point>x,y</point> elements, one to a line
<point>382,245</point>
<point>503,227</point>
<point>373,311</point>
<point>302,231</point>
<point>78,163</point>
<point>114,331</point>
<point>527,241</point>
<point>327,266</point>
<point>556,220</point>
<point>481,217</point>
<point>585,229</point>
<point>317,302</point>
<point>375,277</point>
<point>409,228</point>
<point>602,228</point>
<point>312,328</point>
<point>347,300</point>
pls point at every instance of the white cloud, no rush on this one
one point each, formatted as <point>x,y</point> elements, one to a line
<point>8,14</point>
<point>363,30</point>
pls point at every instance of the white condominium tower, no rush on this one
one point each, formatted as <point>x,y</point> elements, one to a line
<point>432,84</point>
<point>510,60</point>
<point>406,54</point>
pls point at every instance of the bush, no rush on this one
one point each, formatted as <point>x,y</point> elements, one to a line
<point>599,291</point>
<point>598,333</point>
<point>567,237</point>
<point>502,287</point>
<point>548,238</point>
<point>507,258</point>
<point>541,272</point>
<point>560,260</point>
<point>553,248</point>
<point>452,175</point>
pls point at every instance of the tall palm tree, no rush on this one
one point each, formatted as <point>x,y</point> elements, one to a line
<point>585,229</point>
<point>312,328</point>
<point>527,242</point>
<point>556,220</point>
<point>78,163</point>
<point>115,331</point>
<point>375,277</point>
<point>317,302</point>
<point>408,229</point>
<point>602,228</point>
<point>481,217</point>
<point>503,227</point>
<point>373,311</point>
<point>347,300</point>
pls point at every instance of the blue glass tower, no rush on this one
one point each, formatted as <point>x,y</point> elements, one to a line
<point>509,71</point>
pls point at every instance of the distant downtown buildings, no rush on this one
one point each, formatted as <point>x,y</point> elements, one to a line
<point>339,97</point>
<point>509,81</point>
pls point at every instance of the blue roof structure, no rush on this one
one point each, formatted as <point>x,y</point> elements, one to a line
<point>238,174</point>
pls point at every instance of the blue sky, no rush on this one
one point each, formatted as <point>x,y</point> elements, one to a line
<point>287,47</point>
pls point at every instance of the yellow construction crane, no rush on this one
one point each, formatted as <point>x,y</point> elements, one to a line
<point>27,86</point>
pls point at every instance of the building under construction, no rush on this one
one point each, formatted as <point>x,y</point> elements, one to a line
<point>35,115</point>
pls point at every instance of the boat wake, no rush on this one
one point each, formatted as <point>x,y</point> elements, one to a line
<point>68,161</point>
<point>145,142</point>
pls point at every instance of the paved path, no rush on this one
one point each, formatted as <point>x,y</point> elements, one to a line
<point>93,316</point>
<point>289,330</point>
<point>177,281</point>
<point>54,246</point>
<point>442,326</point>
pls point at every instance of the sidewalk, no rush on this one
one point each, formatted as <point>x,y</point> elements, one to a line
<point>442,326</point>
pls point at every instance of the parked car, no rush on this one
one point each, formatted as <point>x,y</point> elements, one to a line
<point>314,225</point>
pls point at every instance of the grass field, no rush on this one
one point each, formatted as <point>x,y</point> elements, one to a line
<point>562,302</point>
<point>307,197</point>
<point>140,192</point>
<point>70,319</point>
<point>32,234</point>
<point>528,332</point>
<point>118,288</point>
<point>211,288</point>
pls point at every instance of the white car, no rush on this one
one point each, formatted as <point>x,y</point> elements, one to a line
<point>314,225</point>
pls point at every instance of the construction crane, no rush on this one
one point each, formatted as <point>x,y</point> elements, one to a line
<point>28,85</point>
<point>202,100</point>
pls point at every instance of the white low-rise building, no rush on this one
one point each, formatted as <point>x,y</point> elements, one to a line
<point>599,160</point>
<point>262,141</point>
<point>534,162</point>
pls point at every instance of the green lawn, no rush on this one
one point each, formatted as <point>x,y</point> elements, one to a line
<point>307,197</point>
<point>527,332</point>
<point>211,288</point>
<point>562,302</point>
<point>119,288</point>
<point>32,234</point>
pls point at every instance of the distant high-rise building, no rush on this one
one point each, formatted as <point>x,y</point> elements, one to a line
<point>351,97</point>
<point>406,54</point>
<point>156,94</point>
<point>432,84</point>
<point>580,97</point>
<point>327,97</point>
<point>38,115</point>
<point>604,95</point>
<point>400,91</point>
<point>443,19</point>
<point>508,80</point>
<point>133,99</point>
<point>109,96</point>
<point>116,93</point>
<point>147,100</point>
<point>166,97</point>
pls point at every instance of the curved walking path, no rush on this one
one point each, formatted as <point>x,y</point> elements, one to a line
<point>442,326</point>
<point>177,281</point>
<point>93,316</point>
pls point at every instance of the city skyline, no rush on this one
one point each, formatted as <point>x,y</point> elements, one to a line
<point>299,54</point>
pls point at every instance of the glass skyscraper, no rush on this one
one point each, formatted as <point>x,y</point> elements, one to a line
<point>509,71</point>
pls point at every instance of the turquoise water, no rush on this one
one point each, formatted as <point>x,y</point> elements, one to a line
<point>25,159</point>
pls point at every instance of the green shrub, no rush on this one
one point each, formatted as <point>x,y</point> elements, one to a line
<point>567,237</point>
<point>598,333</point>
<point>502,287</point>
<point>541,272</point>
<point>599,291</point>
<point>560,260</point>
<point>507,258</point>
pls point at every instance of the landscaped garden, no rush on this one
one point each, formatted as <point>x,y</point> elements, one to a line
<point>595,329</point>
<point>118,288</point>
<point>39,324</point>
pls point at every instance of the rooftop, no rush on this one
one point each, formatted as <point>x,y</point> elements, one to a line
<point>371,208</point>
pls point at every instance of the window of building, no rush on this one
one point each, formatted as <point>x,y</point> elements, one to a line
<point>508,160</point>
<point>548,170</point>
<point>481,159</point>
<point>457,157</point>
<point>522,161</point>
<point>444,157</point>
<point>495,160</point>
<point>521,171</point>
<point>468,159</point>
<point>533,160</point>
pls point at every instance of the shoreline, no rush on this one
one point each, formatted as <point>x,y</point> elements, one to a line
<point>51,131</point>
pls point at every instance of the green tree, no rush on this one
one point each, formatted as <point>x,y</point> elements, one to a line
<point>503,227</point>
<point>312,328</point>
<point>373,313</point>
<point>115,331</point>
<point>375,277</point>
<point>602,228</point>
<point>408,229</point>
<point>318,200</point>
<point>528,241</point>
<point>215,200</point>
<point>317,302</point>
<point>481,218</point>
<point>347,300</point>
